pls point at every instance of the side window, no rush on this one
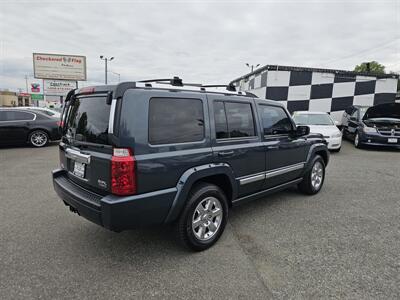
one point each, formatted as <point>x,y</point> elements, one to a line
<point>275,120</point>
<point>3,116</point>
<point>233,120</point>
<point>23,116</point>
<point>355,114</point>
<point>349,110</point>
<point>221,124</point>
<point>16,116</point>
<point>175,120</point>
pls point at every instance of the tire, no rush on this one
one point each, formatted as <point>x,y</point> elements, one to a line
<point>310,184</point>
<point>38,138</point>
<point>344,133</point>
<point>357,142</point>
<point>195,225</point>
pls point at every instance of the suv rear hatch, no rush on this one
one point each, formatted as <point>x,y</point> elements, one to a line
<point>85,148</point>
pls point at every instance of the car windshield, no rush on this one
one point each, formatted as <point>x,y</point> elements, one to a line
<point>363,110</point>
<point>312,119</point>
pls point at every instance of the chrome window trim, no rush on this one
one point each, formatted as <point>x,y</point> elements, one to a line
<point>236,139</point>
<point>273,136</point>
<point>177,144</point>
<point>268,174</point>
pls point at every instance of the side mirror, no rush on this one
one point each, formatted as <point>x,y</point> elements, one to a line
<point>353,119</point>
<point>302,130</point>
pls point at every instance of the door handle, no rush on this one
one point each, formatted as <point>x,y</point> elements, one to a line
<point>225,153</point>
<point>273,147</point>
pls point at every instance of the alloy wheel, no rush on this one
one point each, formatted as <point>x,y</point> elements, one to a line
<point>38,139</point>
<point>207,218</point>
<point>317,175</point>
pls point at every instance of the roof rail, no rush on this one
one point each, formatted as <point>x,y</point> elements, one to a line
<point>176,81</point>
<point>229,87</point>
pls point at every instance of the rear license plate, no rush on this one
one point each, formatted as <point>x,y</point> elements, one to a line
<point>79,169</point>
<point>392,140</point>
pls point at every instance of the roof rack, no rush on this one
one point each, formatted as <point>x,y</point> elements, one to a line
<point>229,87</point>
<point>179,84</point>
<point>176,81</point>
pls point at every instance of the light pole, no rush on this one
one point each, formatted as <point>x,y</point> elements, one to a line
<point>106,59</point>
<point>252,67</point>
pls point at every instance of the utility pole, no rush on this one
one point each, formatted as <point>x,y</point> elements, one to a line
<point>252,67</point>
<point>106,59</point>
<point>26,83</point>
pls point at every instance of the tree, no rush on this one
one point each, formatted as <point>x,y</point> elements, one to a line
<point>370,67</point>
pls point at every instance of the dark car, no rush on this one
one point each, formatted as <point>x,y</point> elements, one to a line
<point>377,125</point>
<point>19,126</point>
<point>143,153</point>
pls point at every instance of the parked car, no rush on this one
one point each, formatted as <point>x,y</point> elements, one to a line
<point>44,110</point>
<point>378,125</point>
<point>322,123</point>
<point>23,126</point>
<point>142,153</point>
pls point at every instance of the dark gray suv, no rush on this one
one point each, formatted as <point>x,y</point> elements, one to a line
<point>156,152</point>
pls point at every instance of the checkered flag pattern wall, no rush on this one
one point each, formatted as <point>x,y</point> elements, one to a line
<point>310,90</point>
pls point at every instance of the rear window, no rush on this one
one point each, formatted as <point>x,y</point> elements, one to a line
<point>175,120</point>
<point>87,120</point>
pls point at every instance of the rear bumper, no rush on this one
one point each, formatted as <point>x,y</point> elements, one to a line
<point>112,212</point>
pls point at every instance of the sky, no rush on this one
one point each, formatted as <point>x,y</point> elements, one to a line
<point>199,41</point>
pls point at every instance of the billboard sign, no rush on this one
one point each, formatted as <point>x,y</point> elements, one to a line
<point>58,66</point>
<point>58,87</point>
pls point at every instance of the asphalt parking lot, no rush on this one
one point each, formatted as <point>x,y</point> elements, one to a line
<point>342,243</point>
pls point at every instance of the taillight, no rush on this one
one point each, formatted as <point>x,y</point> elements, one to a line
<point>60,123</point>
<point>123,173</point>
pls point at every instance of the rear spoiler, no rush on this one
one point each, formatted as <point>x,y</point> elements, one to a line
<point>69,95</point>
<point>87,90</point>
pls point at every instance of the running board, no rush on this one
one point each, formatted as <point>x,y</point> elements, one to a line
<point>266,192</point>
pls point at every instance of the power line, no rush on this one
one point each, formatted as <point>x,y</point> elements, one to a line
<point>382,46</point>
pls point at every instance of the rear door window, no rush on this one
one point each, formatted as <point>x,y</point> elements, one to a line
<point>87,119</point>
<point>16,116</point>
<point>175,120</point>
<point>233,120</point>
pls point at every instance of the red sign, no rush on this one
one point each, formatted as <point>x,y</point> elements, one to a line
<point>35,87</point>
